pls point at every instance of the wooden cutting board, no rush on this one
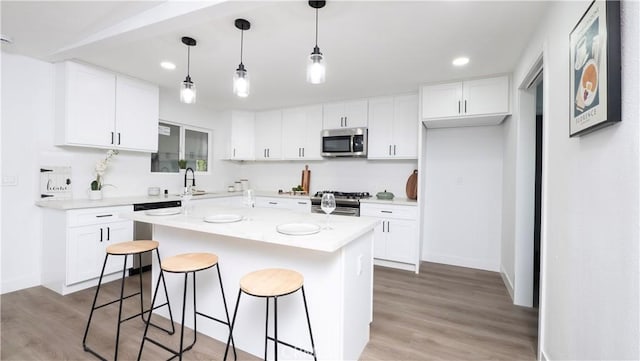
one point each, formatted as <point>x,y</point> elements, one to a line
<point>412,185</point>
<point>306,179</point>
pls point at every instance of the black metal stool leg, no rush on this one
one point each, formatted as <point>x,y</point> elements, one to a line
<point>166,295</point>
<point>275,326</point>
<point>184,304</point>
<point>93,307</point>
<point>233,322</point>
<point>306,310</point>
<point>124,272</point>
<point>140,279</point>
<point>195,314</point>
<point>266,330</point>
<point>226,312</point>
<point>146,327</point>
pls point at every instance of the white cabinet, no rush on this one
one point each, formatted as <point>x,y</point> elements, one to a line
<point>96,108</point>
<point>396,242</point>
<point>232,200</point>
<point>268,135</point>
<point>351,114</point>
<point>302,205</point>
<point>241,138</point>
<point>393,127</point>
<point>75,246</point>
<point>301,129</point>
<point>466,103</point>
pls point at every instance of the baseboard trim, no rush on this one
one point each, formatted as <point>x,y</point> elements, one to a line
<point>543,356</point>
<point>18,284</point>
<point>507,282</point>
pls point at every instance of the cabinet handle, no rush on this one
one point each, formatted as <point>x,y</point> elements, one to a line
<point>383,226</point>
<point>268,153</point>
<point>342,121</point>
<point>112,137</point>
<point>104,215</point>
<point>274,203</point>
<point>394,149</point>
<point>264,153</point>
<point>100,234</point>
<point>234,152</point>
<point>386,211</point>
<point>108,233</point>
<point>345,121</point>
<point>302,202</point>
<point>389,149</point>
<point>388,228</point>
<point>299,152</point>
<point>465,106</point>
<point>303,152</point>
<point>458,107</point>
<point>118,138</point>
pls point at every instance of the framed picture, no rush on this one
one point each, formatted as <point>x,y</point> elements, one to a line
<point>595,69</point>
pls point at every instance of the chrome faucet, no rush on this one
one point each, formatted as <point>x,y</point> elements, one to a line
<point>193,178</point>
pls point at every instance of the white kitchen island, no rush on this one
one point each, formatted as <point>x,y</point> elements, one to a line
<point>336,265</point>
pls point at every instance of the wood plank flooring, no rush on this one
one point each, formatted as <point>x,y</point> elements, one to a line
<point>444,313</point>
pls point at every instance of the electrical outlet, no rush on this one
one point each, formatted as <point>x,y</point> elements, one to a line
<point>9,180</point>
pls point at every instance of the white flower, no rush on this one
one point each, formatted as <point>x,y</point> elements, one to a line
<point>101,165</point>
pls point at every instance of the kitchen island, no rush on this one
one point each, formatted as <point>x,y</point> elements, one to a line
<point>336,264</point>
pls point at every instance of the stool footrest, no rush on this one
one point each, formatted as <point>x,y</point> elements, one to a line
<point>118,300</point>
<point>212,318</point>
<point>290,345</point>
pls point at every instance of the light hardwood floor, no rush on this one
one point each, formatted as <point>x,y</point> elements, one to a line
<point>444,313</point>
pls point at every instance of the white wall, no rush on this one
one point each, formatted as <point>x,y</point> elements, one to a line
<point>507,251</point>
<point>590,240</point>
<point>345,175</point>
<point>463,196</point>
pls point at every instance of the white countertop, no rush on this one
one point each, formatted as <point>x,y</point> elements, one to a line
<point>395,201</point>
<point>262,226</point>
<point>65,204</point>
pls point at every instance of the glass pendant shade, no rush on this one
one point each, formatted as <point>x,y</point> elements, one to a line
<point>188,91</point>
<point>316,68</point>
<point>241,82</point>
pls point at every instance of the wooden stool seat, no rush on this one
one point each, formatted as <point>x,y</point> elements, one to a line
<point>189,262</point>
<point>271,282</point>
<point>132,247</point>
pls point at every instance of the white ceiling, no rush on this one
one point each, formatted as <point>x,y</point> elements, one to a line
<point>371,47</point>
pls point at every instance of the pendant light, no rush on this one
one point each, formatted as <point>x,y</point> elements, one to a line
<point>188,89</point>
<point>316,66</point>
<point>241,83</point>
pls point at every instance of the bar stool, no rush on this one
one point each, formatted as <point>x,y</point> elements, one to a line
<point>273,283</point>
<point>189,263</point>
<point>127,249</point>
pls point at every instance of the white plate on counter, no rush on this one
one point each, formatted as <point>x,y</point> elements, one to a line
<point>163,211</point>
<point>298,229</point>
<point>223,218</point>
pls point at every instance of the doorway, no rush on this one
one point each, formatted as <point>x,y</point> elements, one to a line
<point>537,217</point>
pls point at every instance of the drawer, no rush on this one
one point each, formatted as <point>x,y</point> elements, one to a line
<point>388,211</point>
<point>89,216</point>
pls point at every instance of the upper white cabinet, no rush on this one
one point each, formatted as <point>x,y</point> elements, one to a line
<point>268,135</point>
<point>351,114</point>
<point>241,138</point>
<point>301,129</point>
<point>393,125</point>
<point>466,103</point>
<point>96,108</point>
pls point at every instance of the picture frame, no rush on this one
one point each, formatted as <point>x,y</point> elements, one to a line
<point>594,67</point>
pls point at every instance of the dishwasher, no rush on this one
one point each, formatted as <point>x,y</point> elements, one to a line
<point>144,231</point>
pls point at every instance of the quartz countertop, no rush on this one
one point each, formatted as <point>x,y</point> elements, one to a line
<point>66,204</point>
<point>395,201</point>
<point>262,226</point>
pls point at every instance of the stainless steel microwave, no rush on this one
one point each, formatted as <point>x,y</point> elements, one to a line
<point>347,142</point>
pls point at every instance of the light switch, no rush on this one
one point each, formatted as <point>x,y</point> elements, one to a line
<point>9,180</point>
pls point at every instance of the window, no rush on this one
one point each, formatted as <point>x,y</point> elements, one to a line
<point>181,142</point>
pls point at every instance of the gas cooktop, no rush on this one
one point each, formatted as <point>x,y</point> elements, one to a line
<point>344,195</point>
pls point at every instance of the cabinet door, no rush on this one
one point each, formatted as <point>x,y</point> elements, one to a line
<point>381,124</point>
<point>114,233</point>
<point>402,240</point>
<point>242,136</point>
<point>442,100</point>
<point>85,253</point>
<point>90,104</point>
<point>294,124</point>
<point>312,146</point>
<point>486,96</point>
<point>137,115</point>
<point>271,202</point>
<point>333,116</point>
<point>268,135</point>
<point>405,127</point>
<point>356,114</point>
<point>380,241</point>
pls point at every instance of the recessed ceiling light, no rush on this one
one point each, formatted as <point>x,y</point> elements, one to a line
<point>168,65</point>
<point>460,61</point>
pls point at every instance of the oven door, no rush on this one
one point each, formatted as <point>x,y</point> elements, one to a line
<point>340,211</point>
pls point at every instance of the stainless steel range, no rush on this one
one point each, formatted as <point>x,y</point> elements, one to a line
<point>347,203</point>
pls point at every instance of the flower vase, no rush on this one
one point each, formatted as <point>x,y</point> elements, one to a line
<point>95,195</point>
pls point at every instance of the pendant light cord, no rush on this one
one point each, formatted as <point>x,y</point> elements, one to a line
<point>316,27</point>
<point>241,44</point>
<point>188,59</point>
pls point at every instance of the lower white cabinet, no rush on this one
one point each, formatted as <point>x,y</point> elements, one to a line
<point>396,242</point>
<point>75,243</point>
<point>301,205</point>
